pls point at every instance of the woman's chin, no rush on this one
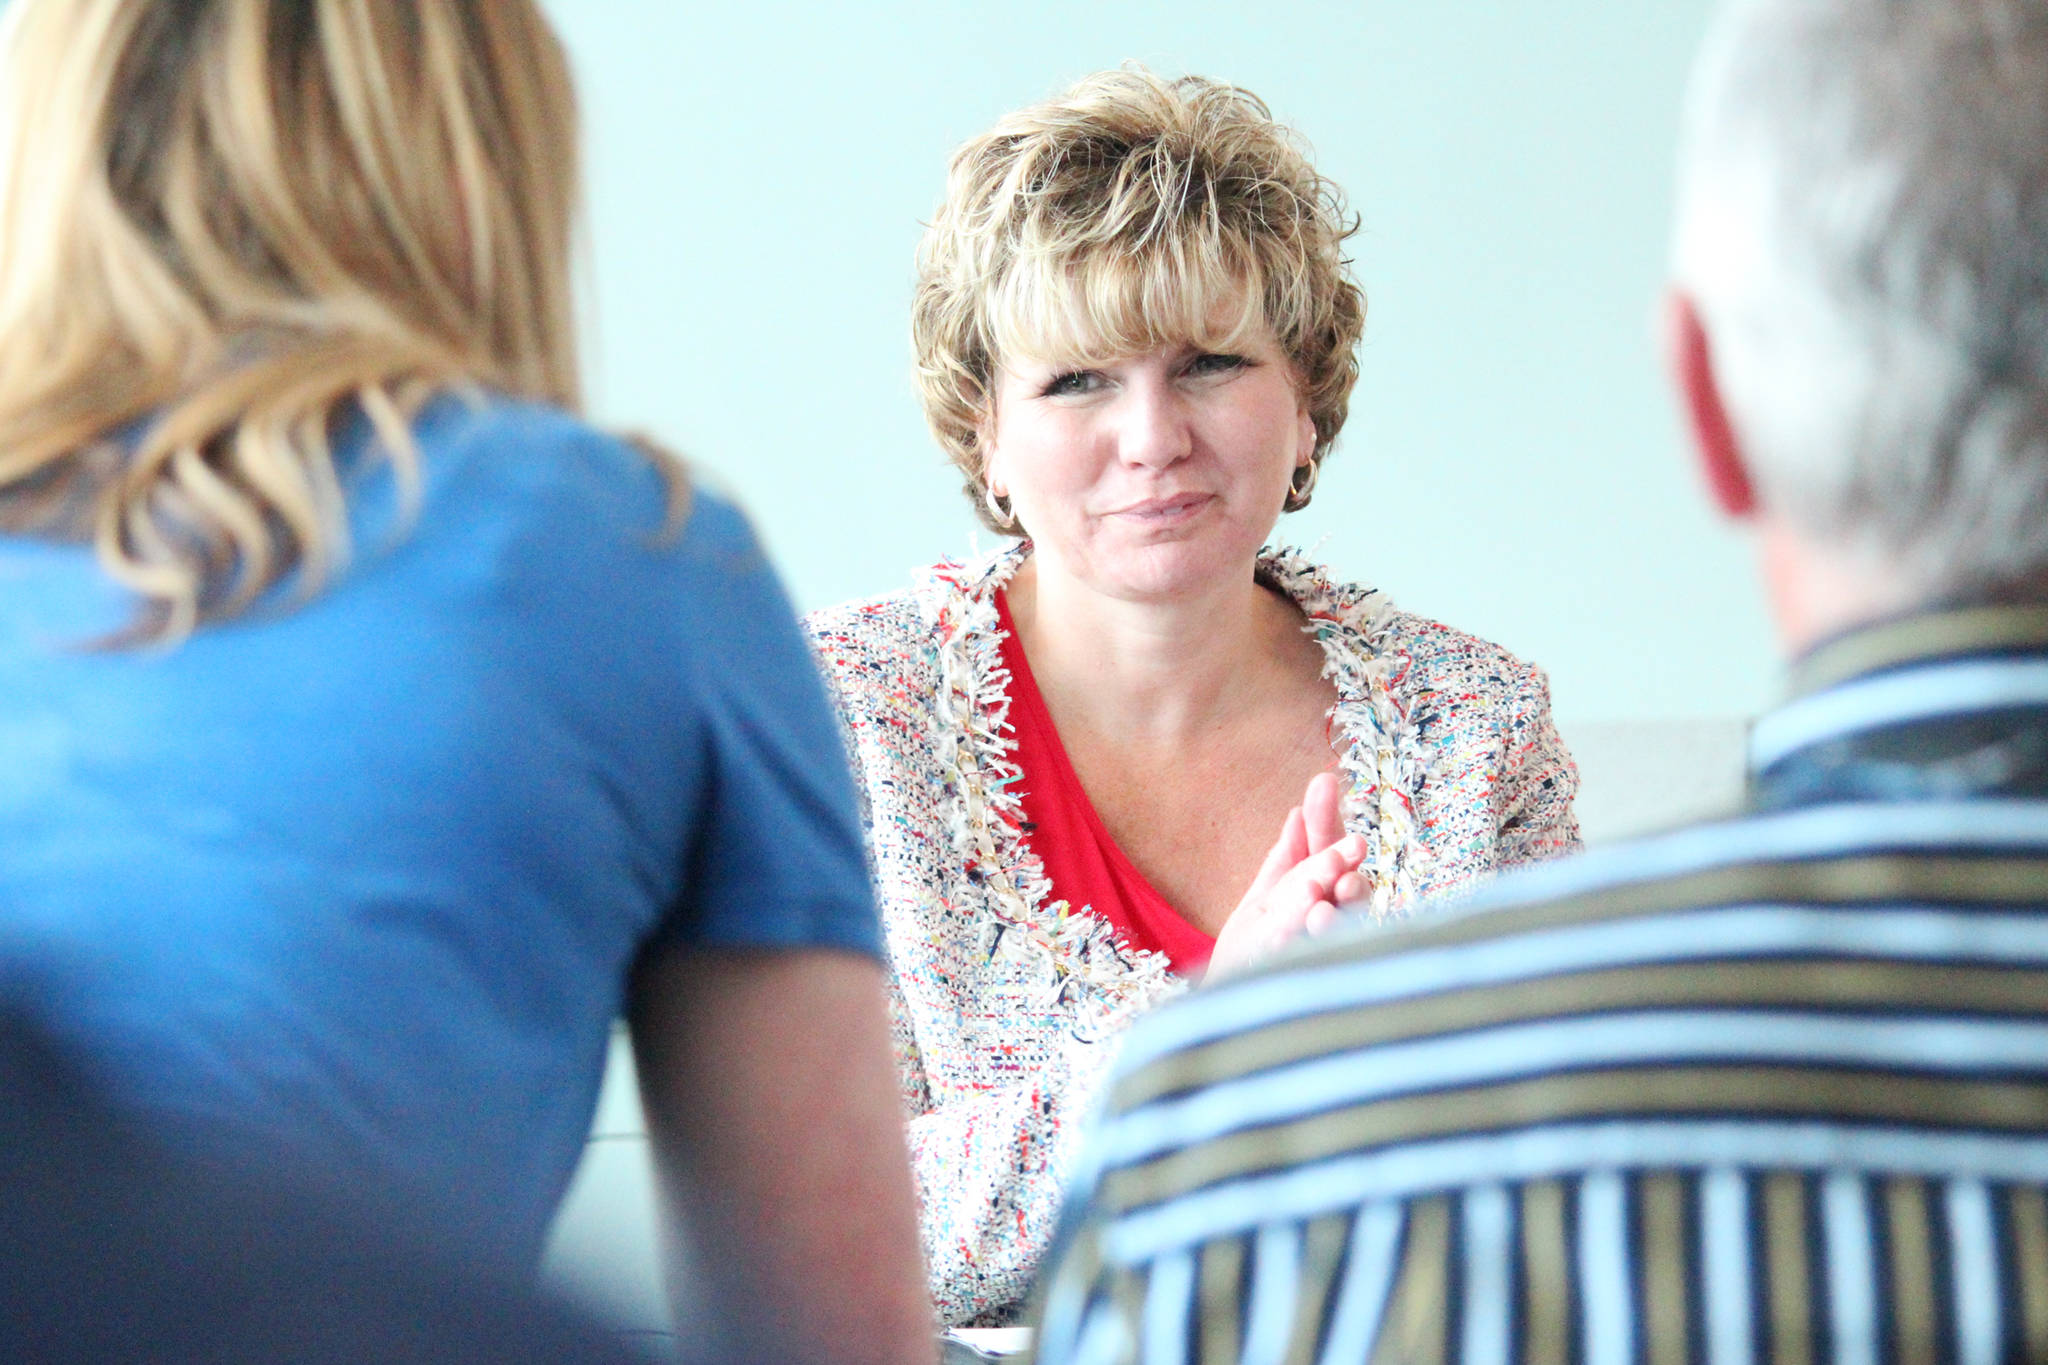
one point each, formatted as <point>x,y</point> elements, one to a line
<point>1168,570</point>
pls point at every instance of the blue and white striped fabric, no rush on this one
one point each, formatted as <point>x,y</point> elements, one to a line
<point>1772,1090</point>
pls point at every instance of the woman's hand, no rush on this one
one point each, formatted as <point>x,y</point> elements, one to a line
<point>1311,870</point>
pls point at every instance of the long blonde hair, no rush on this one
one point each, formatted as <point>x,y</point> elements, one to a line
<point>224,224</point>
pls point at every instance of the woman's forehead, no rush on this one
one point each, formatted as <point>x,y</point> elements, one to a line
<point>1033,364</point>
<point>1092,317</point>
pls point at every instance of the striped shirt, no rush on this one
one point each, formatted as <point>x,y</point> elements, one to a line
<point>1767,1091</point>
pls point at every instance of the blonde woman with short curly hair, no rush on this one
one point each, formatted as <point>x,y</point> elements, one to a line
<point>371,732</point>
<point>1135,336</point>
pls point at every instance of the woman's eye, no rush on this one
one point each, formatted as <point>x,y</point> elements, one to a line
<point>1216,363</point>
<point>1072,382</point>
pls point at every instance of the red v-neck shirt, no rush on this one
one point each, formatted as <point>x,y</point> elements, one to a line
<point>1082,862</point>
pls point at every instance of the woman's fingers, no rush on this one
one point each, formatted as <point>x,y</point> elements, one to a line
<point>1327,868</point>
<point>1238,942</point>
<point>1287,851</point>
<point>1293,845</point>
<point>1314,879</point>
<point>1296,892</point>
<point>1320,814</point>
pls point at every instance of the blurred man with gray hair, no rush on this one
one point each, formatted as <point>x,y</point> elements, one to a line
<point>1769,1089</point>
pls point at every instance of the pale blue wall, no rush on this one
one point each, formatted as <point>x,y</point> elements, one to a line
<point>758,173</point>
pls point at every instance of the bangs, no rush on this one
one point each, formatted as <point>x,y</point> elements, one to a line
<point>1093,306</point>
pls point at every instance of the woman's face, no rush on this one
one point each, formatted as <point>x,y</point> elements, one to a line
<point>1152,476</point>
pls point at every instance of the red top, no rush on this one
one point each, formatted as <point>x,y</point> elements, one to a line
<point>1083,863</point>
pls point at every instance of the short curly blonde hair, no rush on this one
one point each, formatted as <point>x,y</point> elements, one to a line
<point>1129,213</point>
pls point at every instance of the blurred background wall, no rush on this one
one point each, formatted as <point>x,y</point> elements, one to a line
<point>758,174</point>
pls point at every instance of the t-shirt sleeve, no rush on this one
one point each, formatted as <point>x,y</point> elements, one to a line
<point>774,858</point>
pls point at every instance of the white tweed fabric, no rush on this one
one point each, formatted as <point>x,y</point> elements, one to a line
<point>1006,1004</point>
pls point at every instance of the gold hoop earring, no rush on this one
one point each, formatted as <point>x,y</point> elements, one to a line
<point>998,509</point>
<point>1300,490</point>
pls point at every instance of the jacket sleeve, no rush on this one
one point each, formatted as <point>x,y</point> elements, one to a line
<point>1538,779</point>
<point>991,1170</point>
<point>994,1107</point>
<point>913,1091</point>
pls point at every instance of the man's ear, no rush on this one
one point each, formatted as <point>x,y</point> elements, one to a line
<point>1690,357</point>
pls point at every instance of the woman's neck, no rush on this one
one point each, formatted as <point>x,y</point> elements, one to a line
<point>1154,674</point>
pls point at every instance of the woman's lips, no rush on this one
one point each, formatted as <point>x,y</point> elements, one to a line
<point>1158,511</point>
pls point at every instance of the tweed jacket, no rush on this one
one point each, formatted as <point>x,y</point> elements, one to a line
<point>1006,1003</point>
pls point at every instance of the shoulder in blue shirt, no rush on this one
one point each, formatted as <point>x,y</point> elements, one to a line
<point>364,877</point>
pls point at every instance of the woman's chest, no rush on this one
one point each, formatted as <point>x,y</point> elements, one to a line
<point>1198,824</point>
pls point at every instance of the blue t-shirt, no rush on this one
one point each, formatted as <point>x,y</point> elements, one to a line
<point>361,881</point>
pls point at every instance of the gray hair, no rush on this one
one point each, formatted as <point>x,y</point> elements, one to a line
<point>1863,221</point>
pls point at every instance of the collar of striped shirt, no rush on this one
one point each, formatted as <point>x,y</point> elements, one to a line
<point>1941,705</point>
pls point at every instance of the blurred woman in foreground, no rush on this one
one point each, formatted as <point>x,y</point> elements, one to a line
<point>1134,332</point>
<point>369,719</point>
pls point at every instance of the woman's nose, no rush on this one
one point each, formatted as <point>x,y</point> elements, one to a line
<point>1154,428</point>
